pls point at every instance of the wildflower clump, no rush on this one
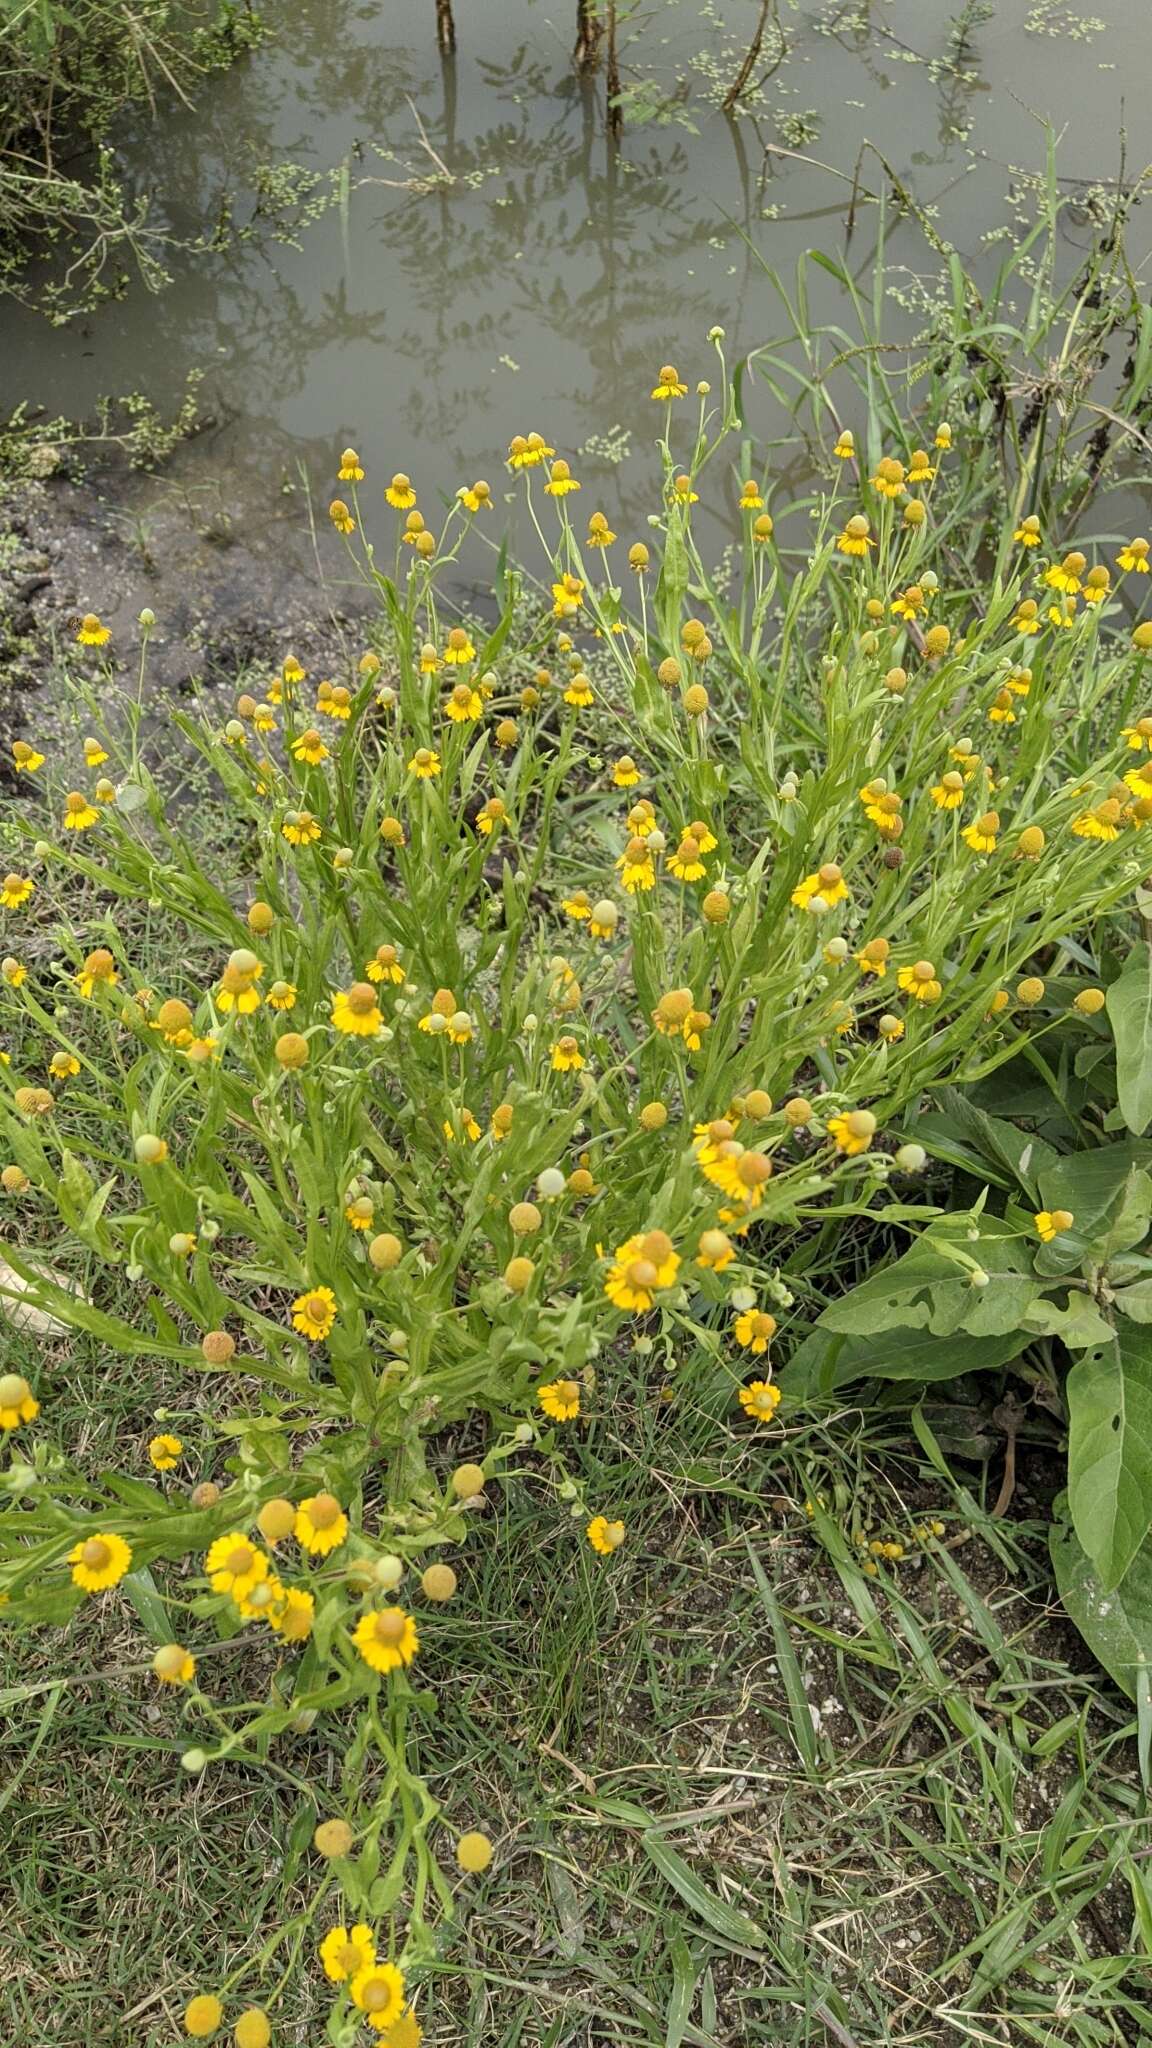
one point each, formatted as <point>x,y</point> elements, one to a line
<point>575,964</point>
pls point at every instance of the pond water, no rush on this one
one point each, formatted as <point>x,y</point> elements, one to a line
<point>536,275</point>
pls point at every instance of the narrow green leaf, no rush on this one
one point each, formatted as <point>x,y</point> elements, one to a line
<point>725,1920</point>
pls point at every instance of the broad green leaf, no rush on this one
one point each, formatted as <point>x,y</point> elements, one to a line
<point>725,1920</point>
<point>1077,1323</point>
<point>825,1361</point>
<point>1135,1301</point>
<point>1007,1150</point>
<point>1116,1626</point>
<point>1129,1004</point>
<point>1110,1451</point>
<point>144,1594</point>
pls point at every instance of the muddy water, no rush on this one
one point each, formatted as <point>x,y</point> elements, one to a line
<point>498,264</point>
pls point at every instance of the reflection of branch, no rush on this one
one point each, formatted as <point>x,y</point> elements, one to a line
<point>437,160</point>
<point>753,55</point>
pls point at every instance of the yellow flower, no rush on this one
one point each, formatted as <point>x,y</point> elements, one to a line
<point>458,648</point>
<point>604,919</point>
<point>345,1954</point>
<point>760,1400</point>
<point>321,1524</point>
<point>853,1131</point>
<point>385,966</point>
<point>686,863</point>
<point>1134,555</point>
<point>1028,532</point>
<point>174,1665</point>
<point>568,595</point>
<point>873,957</point>
<point>476,497</point>
<point>827,883</point>
<point>466,1126</point>
<point>1138,736</point>
<point>99,1562</point>
<point>464,704</point>
<point>604,1536</point>
<point>1096,585</point>
<point>856,537</point>
<point>560,480</point>
<point>567,1057</point>
<point>386,1638</point>
<point>600,534</point>
<point>1066,575</point>
<point>750,499</point>
<point>920,468</point>
<point>292,1614</point>
<point>910,603</point>
<point>754,1329</point>
<point>948,793</point>
<point>17,1402</point>
<point>560,1399</point>
<point>637,872</point>
<point>79,814</point>
<point>1050,1223</point>
<point>981,835</point>
<point>1101,823</point>
<point>625,773</point>
<point>579,691</point>
<point>1000,711</point>
<point>283,995</point>
<point>527,453</point>
<point>350,471</point>
<point>300,828</point>
<point>314,1313</point>
<point>919,982</point>
<point>944,435</point>
<point>309,747</point>
<point>26,758</point>
<point>164,1452</point>
<point>16,890</point>
<point>234,1565</point>
<point>668,383</point>
<point>98,967</point>
<point>889,477</point>
<point>682,491</point>
<point>91,632</point>
<point>845,448</point>
<point>94,753</point>
<point>400,493</point>
<point>1027,616</point>
<point>341,517</point>
<point>425,763</point>
<point>714,1251</point>
<point>642,1266</point>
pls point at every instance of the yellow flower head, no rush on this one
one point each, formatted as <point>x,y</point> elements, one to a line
<point>1133,556</point>
<point>853,1131</point>
<point>605,1536</point>
<point>643,1266</point>
<point>845,448</point>
<point>668,384</point>
<point>560,1399</point>
<point>458,648</point>
<point>920,982</point>
<point>400,493</point>
<point>345,1954</point>
<point>567,1057</point>
<point>760,1400</point>
<point>340,516</point>
<point>827,885</point>
<point>754,1328</point>
<point>1028,532</point>
<point>234,1565</point>
<point>26,758</point>
<point>921,469</point>
<point>164,1452</point>
<point>99,1561</point>
<point>982,834</point>
<point>1065,576</point>
<point>856,537</point>
<point>350,471</point>
<point>1051,1222</point>
<point>889,477</point>
<point>321,1524</point>
<point>600,534</point>
<point>309,747</point>
<point>560,480</point>
<point>386,1638</point>
<point>17,1402</point>
<point>79,814</point>
<point>314,1313</point>
<point>91,632</point>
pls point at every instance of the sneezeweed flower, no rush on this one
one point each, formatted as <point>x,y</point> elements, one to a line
<point>948,793</point>
<point>1142,637</point>
<point>300,828</point>
<point>908,604</point>
<point>385,966</point>
<point>560,1399</point>
<point>873,957</point>
<point>462,1125</point>
<point>760,1400</point>
<point>1096,585</point>
<point>94,753</point>
<point>425,764</point>
<point>234,1565</point>
<point>856,537</point>
<point>937,641</point>
<point>1051,1222</point>
<point>1030,843</point>
<point>386,1638</point>
<point>1089,1003</point>
<point>643,1266</point>
<point>600,534</point>
<point>400,493</point>
<point>682,491</point>
<point>1028,532</point>
<point>253,2029</point>
<point>763,527</point>
<point>321,1524</point>
<point>604,919</point>
<point>237,987</point>
<point>1066,576</point>
<point>92,632</point>
<point>283,995</point>
<point>921,469</point>
<point>292,1614</point>
<point>350,470</point>
<point>99,1562</point>
<point>464,705</point>
<point>668,384</point>
<point>474,1852</point>
<point>714,1251</point>
<point>1134,556</point>
<point>1002,710</point>
<point>637,870</point>
<point>1138,736</point>
<point>845,448</point>
<point>16,891</point>
<point>605,1536</point>
<point>1019,681</point>
<point>1102,822</point>
<point>852,1131</point>
<point>750,498</point>
<point>754,1329</point>
<point>164,1452</point>
<point>413,528</point>
<point>567,1057</point>
<point>560,480</point>
<point>889,477</point>
<point>314,1313</point>
<point>310,748</point>
<point>99,967</point>
<point>344,1954</point>
<point>982,834</point>
<point>341,517</point>
<point>458,648</point>
<point>174,1665</point>
<point>25,758</point>
<point>919,981</point>
<point>685,863</point>
<point>826,888</point>
<point>17,1402</point>
<point>625,773</point>
<point>79,814</point>
<point>202,2015</point>
<point>944,436</point>
<point>1026,618</point>
<point>567,596</point>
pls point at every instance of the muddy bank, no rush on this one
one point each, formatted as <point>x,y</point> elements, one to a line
<point>225,602</point>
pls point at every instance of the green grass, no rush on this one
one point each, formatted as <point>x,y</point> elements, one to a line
<point>742,1790</point>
